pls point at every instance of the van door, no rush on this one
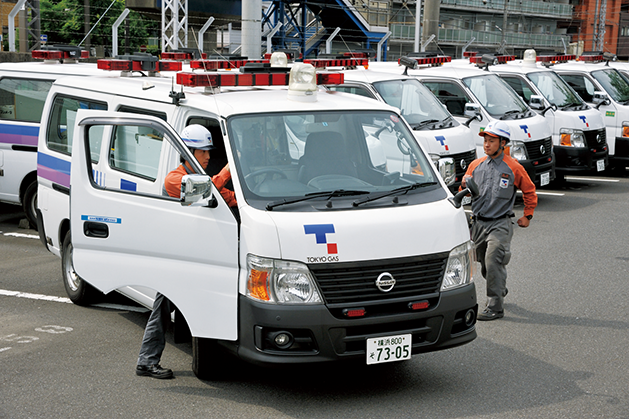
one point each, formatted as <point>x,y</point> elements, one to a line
<point>125,233</point>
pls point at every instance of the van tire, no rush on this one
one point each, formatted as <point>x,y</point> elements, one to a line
<point>29,204</point>
<point>209,361</point>
<point>79,291</point>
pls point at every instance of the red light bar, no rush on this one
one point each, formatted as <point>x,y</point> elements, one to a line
<point>350,62</point>
<point>56,55</point>
<point>180,55</point>
<point>354,312</point>
<point>128,65</point>
<point>591,58</point>
<point>222,64</point>
<point>478,59</point>
<point>430,60</point>
<point>233,79</point>
<point>555,58</point>
<point>469,53</point>
<point>330,78</point>
<point>419,305</point>
<point>248,79</point>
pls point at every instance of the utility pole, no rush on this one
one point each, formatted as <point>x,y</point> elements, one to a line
<point>86,23</point>
<point>431,21</point>
<point>504,23</point>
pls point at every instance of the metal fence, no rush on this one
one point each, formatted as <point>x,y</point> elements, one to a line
<point>533,40</point>
<point>559,10</point>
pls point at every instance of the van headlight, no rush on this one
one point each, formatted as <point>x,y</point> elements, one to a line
<point>572,137</point>
<point>460,267</point>
<point>280,282</point>
<point>518,150</point>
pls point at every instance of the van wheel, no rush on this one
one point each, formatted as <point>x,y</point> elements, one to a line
<point>209,361</point>
<point>29,204</point>
<point>79,291</point>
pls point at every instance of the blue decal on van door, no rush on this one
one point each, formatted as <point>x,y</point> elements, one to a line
<point>127,185</point>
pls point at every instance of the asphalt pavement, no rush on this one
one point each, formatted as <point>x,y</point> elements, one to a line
<point>561,351</point>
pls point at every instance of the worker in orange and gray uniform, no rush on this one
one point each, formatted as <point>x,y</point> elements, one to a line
<point>498,176</point>
<point>199,141</point>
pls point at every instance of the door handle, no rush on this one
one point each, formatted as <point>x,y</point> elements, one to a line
<point>96,230</point>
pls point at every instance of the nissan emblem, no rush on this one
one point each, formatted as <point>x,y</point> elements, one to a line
<point>385,282</point>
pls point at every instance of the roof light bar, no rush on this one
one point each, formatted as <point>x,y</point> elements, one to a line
<point>501,59</point>
<point>133,65</point>
<point>562,58</point>
<point>591,58</point>
<point>211,65</point>
<point>348,62</point>
<point>60,52</point>
<point>467,54</point>
<point>181,56</point>
<point>433,61</point>
<point>248,79</point>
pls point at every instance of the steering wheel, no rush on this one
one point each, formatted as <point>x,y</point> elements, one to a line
<point>265,174</point>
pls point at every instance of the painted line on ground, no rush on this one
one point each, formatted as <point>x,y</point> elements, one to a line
<point>591,179</point>
<point>545,193</point>
<point>5,349</point>
<point>28,236</point>
<point>35,296</point>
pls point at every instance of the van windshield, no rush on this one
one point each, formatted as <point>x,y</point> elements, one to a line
<point>555,89</point>
<point>414,100</point>
<point>614,84</point>
<point>292,155</point>
<point>495,95</point>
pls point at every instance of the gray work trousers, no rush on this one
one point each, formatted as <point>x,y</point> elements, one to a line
<point>154,340</point>
<point>493,251</point>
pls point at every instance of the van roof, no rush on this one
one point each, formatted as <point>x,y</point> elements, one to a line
<point>231,101</point>
<point>52,68</point>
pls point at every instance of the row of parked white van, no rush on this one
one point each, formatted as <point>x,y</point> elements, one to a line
<point>346,242</point>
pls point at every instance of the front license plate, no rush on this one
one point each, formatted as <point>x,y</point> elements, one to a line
<point>600,165</point>
<point>389,349</point>
<point>544,178</point>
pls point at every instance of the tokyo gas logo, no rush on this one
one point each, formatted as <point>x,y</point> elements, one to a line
<point>323,236</point>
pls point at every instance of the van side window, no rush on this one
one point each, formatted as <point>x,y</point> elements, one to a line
<point>450,94</point>
<point>136,150</point>
<point>218,156</point>
<point>23,99</point>
<point>61,123</point>
<point>581,85</point>
<point>520,87</point>
<point>129,109</point>
<point>355,90</point>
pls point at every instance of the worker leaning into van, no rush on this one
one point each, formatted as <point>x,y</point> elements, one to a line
<point>498,176</point>
<point>199,140</point>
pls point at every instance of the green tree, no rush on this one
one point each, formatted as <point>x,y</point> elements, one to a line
<point>63,22</point>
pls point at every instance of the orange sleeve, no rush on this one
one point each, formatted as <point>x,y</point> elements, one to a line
<point>524,183</point>
<point>172,183</point>
<point>219,181</point>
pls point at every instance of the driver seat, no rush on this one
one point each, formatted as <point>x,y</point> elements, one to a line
<point>325,153</point>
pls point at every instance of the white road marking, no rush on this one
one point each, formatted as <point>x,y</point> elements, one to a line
<point>587,179</point>
<point>5,349</point>
<point>28,236</point>
<point>35,296</point>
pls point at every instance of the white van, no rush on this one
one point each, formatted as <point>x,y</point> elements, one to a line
<point>578,130</point>
<point>606,89</point>
<point>326,256</point>
<point>470,91</point>
<point>441,135</point>
<point>23,91</point>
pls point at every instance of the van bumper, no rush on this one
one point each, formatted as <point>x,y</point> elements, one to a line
<point>537,167</point>
<point>578,159</point>
<point>319,336</point>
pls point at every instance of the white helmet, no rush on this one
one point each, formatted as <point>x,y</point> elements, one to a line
<point>197,137</point>
<point>497,129</point>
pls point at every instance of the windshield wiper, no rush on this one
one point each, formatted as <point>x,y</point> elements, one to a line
<point>403,189</point>
<point>509,114</point>
<point>328,194</point>
<point>424,123</point>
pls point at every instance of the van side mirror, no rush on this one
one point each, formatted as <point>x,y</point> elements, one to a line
<point>445,167</point>
<point>195,188</point>
<point>472,111</point>
<point>470,188</point>
<point>600,98</point>
<point>536,102</point>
